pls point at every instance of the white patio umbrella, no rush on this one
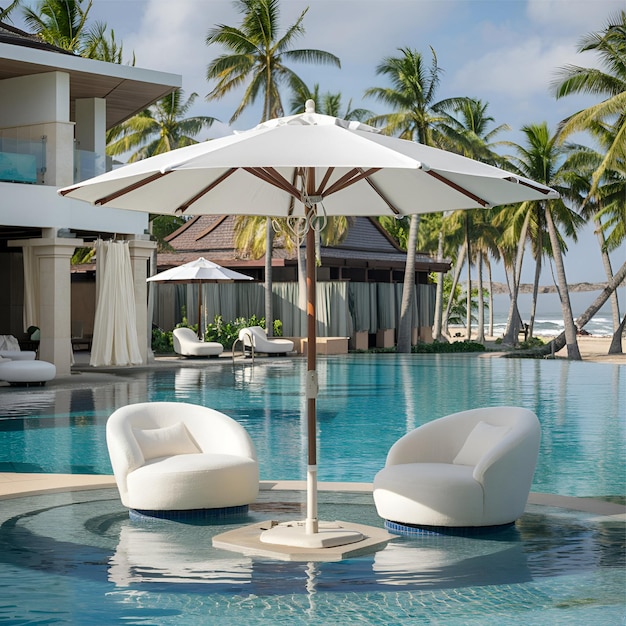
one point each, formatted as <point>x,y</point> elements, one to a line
<point>307,165</point>
<point>200,271</point>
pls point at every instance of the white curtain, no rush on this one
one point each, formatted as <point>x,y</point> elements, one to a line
<point>115,339</point>
<point>31,287</point>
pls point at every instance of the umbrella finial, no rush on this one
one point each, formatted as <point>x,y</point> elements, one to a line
<point>309,106</point>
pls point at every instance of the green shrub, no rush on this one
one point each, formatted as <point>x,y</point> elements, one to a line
<point>162,342</point>
<point>441,347</point>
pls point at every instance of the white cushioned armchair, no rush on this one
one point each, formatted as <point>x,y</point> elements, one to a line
<point>175,456</point>
<point>468,469</point>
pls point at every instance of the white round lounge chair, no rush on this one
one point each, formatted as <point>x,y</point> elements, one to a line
<point>175,456</point>
<point>468,469</point>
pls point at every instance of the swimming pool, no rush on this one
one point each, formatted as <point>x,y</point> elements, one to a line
<point>366,403</point>
<point>76,558</point>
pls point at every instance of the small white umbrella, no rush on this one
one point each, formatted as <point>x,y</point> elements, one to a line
<point>303,166</point>
<point>200,271</point>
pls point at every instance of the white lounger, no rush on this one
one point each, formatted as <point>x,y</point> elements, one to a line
<point>256,337</point>
<point>186,343</point>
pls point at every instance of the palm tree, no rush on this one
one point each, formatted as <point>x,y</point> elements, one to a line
<point>6,12</point>
<point>257,58</point>
<point>157,129</point>
<point>417,117</point>
<point>606,207</point>
<point>468,132</point>
<point>327,103</point>
<point>59,22</point>
<point>542,160</point>
<point>611,84</point>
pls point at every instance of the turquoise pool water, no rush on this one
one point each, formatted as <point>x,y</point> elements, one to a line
<point>366,403</point>
<point>76,558</point>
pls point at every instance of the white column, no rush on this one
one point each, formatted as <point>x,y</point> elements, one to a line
<point>55,293</point>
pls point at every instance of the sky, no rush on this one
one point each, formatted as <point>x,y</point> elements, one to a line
<point>504,52</point>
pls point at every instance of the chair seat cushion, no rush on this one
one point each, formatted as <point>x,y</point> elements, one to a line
<point>429,494</point>
<point>193,481</point>
<point>27,372</point>
<point>202,348</point>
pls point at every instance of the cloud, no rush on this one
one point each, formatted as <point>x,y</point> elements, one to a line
<point>577,16</point>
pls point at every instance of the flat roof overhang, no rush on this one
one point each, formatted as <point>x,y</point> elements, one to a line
<point>127,89</point>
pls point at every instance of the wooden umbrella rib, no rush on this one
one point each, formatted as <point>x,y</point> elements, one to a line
<point>517,181</point>
<point>130,188</point>
<point>458,188</point>
<point>382,196</point>
<point>350,178</point>
<point>271,176</point>
<point>320,190</point>
<point>183,207</point>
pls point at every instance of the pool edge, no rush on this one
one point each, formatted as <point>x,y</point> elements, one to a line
<point>16,485</point>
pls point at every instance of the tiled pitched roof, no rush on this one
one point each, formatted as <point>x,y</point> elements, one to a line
<point>14,36</point>
<point>212,237</point>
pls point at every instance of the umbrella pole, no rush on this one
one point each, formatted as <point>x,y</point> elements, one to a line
<point>311,524</point>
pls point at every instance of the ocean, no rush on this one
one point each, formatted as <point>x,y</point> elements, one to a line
<point>549,318</point>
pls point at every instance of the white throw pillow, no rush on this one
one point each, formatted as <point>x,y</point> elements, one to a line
<point>167,441</point>
<point>482,439</point>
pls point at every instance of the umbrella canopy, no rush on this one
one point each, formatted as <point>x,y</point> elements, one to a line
<point>200,271</point>
<point>301,166</point>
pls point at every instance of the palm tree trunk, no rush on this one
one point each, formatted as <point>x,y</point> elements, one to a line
<point>269,246</point>
<point>616,341</point>
<point>480,335</point>
<point>558,342</point>
<point>573,351</point>
<point>408,290</point>
<point>439,293</point>
<point>513,321</point>
<point>490,287</point>
<point>533,304</point>
<point>468,246</point>
<point>606,262</point>
<point>455,281</point>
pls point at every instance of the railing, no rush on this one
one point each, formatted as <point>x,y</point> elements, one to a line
<point>88,164</point>
<point>22,161</point>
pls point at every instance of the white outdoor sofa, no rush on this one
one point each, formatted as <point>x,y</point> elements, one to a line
<point>175,456</point>
<point>255,338</point>
<point>468,469</point>
<point>186,343</point>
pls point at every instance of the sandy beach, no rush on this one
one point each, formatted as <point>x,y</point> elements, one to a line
<point>591,348</point>
<point>596,349</point>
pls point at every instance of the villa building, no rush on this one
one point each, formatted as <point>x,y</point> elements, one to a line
<point>55,109</point>
<point>360,282</point>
